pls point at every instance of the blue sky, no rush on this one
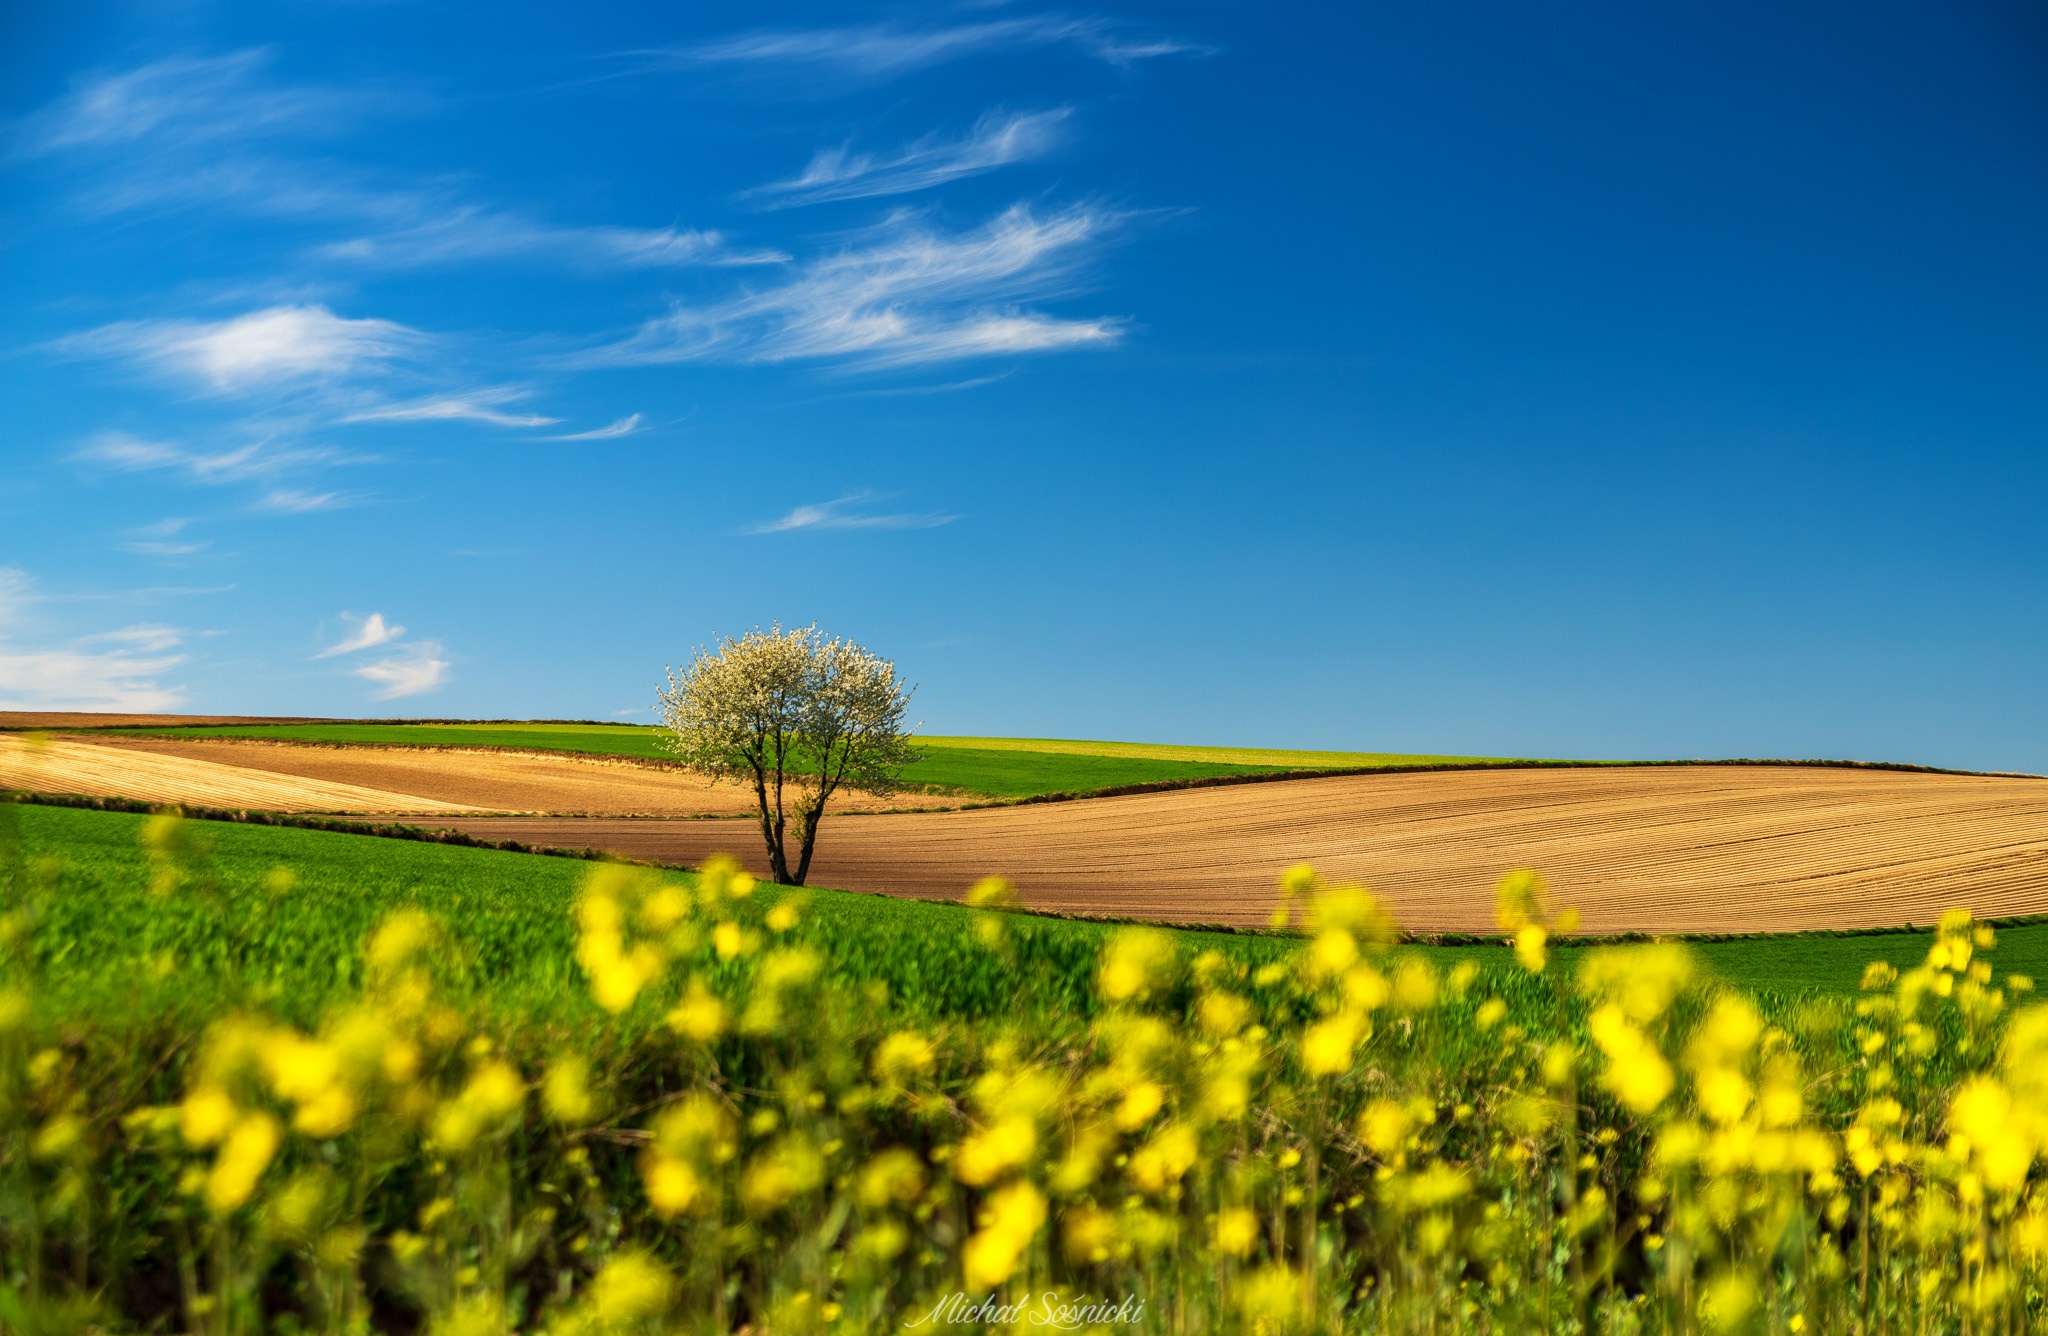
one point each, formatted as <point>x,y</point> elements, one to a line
<point>1574,380</point>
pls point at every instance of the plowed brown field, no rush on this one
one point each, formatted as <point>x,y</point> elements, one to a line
<point>1663,849</point>
<point>118,772</point>
<point>400,779</point>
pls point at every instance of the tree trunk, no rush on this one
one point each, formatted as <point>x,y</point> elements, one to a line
<point>771,826</point>
<point>811,816</point>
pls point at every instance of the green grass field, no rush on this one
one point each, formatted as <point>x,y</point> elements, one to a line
<point>236,941</point>
<point>990,767</point>
<point>472,1101</point>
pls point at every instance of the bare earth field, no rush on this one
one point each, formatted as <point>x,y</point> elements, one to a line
<point>284,777</point>
<point>1658,849</point>
<point>60,766</point>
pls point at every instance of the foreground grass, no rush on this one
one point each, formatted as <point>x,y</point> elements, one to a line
<point>989,767</point>
<point>579,1099</point>
<point>273,916</point>
<point>242,936</point>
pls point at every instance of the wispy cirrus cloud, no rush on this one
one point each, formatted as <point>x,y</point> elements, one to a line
<point>452,232</point>
<point>625,426</point>
<point>190,100</point>
<point>480,406</point>
<point>109,670</point>
<point>847,512</point>
<point>257,459</point>
<point>902,294</point>
<point>298,501</point>
<point>164,539</point>
<point>368,633</point>
<point>218,133</point>
<point>997,139</point>
<point>830,58</point>
<point>261,348</point>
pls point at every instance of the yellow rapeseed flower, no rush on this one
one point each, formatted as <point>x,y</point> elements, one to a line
<point>207,1115</point>
<point>1135,963</point>
<point>566,1090</point>
<point>632,1287</point>
<point>1518,900</point>
<point>672,1185</point>
<point>1011,1221</point>
<point>1222,1014</point>
<point>243,1157</point>
<point>995,1150</point>
<point>1327,1045</point>
<point>700,1015</point>
<point>991,893</point>
<point>1237,1231</point>
<point>1636,1072</point>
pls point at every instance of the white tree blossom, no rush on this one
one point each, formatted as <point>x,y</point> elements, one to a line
<point>797,716</point>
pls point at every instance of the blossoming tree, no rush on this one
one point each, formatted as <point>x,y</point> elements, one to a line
<point>797,716</point>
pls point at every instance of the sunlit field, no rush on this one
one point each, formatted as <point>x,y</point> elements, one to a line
<point>271,1079</point>
<point>986,767</point>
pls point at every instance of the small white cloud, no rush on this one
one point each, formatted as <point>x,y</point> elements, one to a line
<point>452,408</point>
<point>625,426</point>
<point>843,514</point>
<point>411,672</point>
<point>996,140</point>
<point>279,343</point>
<point>370,632</point>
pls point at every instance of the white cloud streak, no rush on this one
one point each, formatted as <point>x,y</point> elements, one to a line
<point>625,426</point>
<point>905,295</point>
<point>997,140</point>
<point>114,670</point>
<point>370,632</point>
<point>843,514</point>
<point>188,101</point>
<point>413,671</point>
<point>259,459</point>
<point>264,347</point>
<point>296,501</point>
<point>454,233</point>
<point>161,540</point>
<point>876,52</point>
<point>481,407</point>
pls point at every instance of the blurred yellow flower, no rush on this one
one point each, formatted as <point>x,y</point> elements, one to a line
<point>243,1157</point>
<point>1237,1231</point>
<point>206,1116</point>
<point>1011,1220</point>
<point>632,1287</point>
<point>1326,1046</point>
<point>1135,963</point>
<point>700,1015</point>
<point>566,1090</point>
